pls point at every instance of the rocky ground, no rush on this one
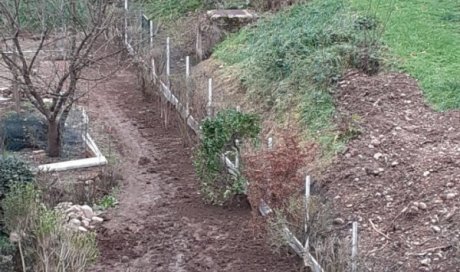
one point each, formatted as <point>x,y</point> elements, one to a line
<point>400,177</point>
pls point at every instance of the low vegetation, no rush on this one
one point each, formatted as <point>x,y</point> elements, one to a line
<point>424,35</point>
<point>33,229</point>
<point>291,61</point>
<point>44,243</point>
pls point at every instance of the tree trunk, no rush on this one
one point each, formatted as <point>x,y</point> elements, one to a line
<point>54,143</point>
<point>15,86</point>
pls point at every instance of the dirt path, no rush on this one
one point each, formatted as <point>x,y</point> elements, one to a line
<point>161,223</point>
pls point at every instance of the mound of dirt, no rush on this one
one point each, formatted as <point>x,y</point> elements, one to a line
<point>400,178</point>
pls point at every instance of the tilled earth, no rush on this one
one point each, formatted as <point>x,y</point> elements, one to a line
<point>400,177</point>
<point>161,223</point>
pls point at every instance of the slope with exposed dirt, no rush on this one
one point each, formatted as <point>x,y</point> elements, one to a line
<point>400,178</point>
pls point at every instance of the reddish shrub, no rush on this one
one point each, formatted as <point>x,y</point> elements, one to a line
<point>276,174</point>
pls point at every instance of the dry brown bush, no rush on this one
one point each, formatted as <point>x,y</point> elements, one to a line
<point>276,174</point>
<point>83,191</point>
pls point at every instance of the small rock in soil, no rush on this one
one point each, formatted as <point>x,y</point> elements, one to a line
<point>97,219</point>
<point>143,161</point>
<point>85,223</point>
<point>72,215</point>
<point>422,205</point>
<point>75,222</point>
<point>377,156</point>
<point>426,261</point>
<point>426,173</point>
<point>74,208</point>
<point>338,221</point>
<point>87,211</point>
<point>82,229</point>
<point>375,142</point>
<point>450,195</point>
<point>125,259</point>
<point>436,229</point>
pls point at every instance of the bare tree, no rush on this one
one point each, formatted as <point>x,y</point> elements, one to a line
<point>75,29</point>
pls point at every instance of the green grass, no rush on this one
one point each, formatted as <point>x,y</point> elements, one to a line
<point>425,35</point>
<point>171,9</point>
<point>291,60</point>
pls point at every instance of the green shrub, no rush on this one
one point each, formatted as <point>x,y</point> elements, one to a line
<point>219,135</point>
<point>13,170</point>
<point>6,248</point>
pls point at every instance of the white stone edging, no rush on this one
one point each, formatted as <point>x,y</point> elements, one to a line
<point>97,160</point>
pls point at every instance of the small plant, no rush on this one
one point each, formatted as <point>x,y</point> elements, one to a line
<point>6,248</point>
<point>219,135</point>
<point>108,201</point>
<point>12,170</point>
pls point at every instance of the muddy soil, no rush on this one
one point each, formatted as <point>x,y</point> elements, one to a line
<point>400,177</point>
<point>161,223</point>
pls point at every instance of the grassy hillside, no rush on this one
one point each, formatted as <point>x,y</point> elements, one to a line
<point>291,61</point>
<point>425,35</point>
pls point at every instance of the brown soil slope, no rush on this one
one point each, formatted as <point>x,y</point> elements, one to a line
<point>401,174</point>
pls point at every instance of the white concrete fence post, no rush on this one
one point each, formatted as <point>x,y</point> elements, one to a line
<point>168,61</point>
<point>354,247</point>
<point>154,71</point>
<point>126,22</point>
<point>151,33</point>
<point>187,86</point>
<point>307,215</point>
<point>209,105</point>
